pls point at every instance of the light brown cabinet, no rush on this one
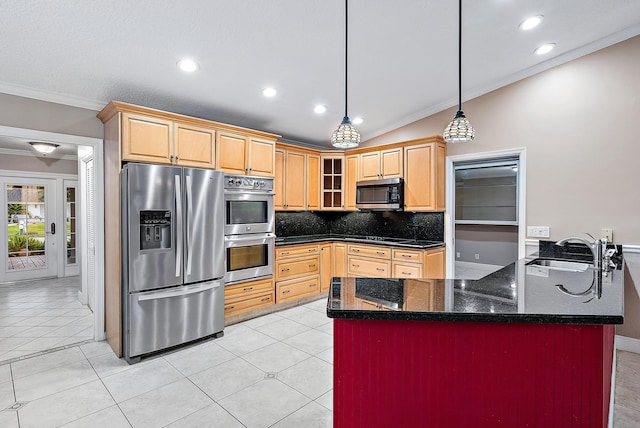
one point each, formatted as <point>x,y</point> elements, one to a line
<point>248,296</point>
<point>298,271</point>
<point>381,164</point>
<point>332,171</point>
<point>297,180</point>
<point>435,263</point>
<point>161,141</point>
<point>326,267</point>
<point>351,177</point>
<point>368,261</point>
<point>339,259</point>
<point>245,155</point>
<point>424,177</point>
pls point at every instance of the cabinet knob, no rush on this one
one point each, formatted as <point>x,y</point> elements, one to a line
<point>380,269</point>
<point>286,291</point>
<point>265,299</point>
<point>311,285</point>
<point>406,273</point>
<point>247,288</point>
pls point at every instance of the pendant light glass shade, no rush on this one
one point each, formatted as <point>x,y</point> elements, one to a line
<point>346,136</point>
<point>460,129</point>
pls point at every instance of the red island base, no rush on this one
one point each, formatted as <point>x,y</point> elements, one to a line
<point>462,374</point>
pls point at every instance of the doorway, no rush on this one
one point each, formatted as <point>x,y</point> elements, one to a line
<point>30,250</point>
<point>69,237</point>
<point>485,218</point>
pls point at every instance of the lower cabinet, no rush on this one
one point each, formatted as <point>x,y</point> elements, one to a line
<point>298,271</point>
<point>248,296</point>
<point>369,261</point>
<point>296,288</point>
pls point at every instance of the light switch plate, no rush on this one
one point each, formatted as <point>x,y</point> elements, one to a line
<point>538,231</point>
<point>607,232</point>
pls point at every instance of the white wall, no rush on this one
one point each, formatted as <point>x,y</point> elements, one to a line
<point>579,123</point>
<point>38,164</point>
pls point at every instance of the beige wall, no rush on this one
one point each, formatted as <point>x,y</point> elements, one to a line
<point>579,123</point>
<point>38,164</point>
<point>19,112</point>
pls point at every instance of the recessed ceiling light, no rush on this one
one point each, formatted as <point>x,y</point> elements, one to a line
<point>319,109</point>
<point>532,22</point>
<point>269,92</point>
<point>357,120</point>
<point>187,65</point>
<point>544,49</point>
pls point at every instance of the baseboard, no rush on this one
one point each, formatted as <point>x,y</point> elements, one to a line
<point>625,343</point>
<point>630,249</point>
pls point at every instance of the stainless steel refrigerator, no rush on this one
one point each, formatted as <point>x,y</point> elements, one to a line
<point>172,256</point>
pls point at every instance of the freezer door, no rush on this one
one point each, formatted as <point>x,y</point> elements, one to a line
<point>169,317</point>
<point>152,204</point>
<point>203,225</point>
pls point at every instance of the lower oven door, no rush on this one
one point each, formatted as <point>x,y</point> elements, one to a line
<point>248,256</point>
<point>172,316</point>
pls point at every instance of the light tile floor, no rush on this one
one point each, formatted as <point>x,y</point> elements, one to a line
<point>40,315</point>
<point>467,270</point>
<point>272,371</point>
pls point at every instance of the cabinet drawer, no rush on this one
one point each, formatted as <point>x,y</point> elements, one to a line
<point>360,266</point>
<point>251,303</point>
<point>376,251</point>
<point>247,289</point>
<point>404,255</point>
<point>297,267</point>
<point>406,270</point>
<point>295,251</point>
<point>293,289</point>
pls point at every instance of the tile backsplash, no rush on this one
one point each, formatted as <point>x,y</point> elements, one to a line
<point>397,224</point>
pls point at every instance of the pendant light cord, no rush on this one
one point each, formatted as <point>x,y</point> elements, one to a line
<point>346,46</point>
<point>460,55</point>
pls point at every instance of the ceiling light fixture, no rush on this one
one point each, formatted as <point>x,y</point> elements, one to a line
<point>346,136</point>
<point>269,92</point>
<point>545,49</point>
<point>530,23</point>
<point>357,120</point>
<point>319,109</point>
<point>44,148</point>
<point>187,65</point>
<point>460,129</point>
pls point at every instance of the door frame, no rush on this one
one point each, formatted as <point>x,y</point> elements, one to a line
<point>449,221</point>
<point>97,145</point>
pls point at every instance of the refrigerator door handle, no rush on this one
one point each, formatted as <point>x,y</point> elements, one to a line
<point>178,226</point>
<point>189,225</point>
<point>184,291</point>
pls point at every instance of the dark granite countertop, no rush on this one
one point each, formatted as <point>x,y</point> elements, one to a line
<point>518,293</point>
<point>374,240</point>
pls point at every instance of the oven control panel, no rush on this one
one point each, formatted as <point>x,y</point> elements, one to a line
<point>246,182</point>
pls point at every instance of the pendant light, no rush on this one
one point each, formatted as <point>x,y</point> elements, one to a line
<point>44,148</point>
<point>346,136</point>
<point>460,129</point>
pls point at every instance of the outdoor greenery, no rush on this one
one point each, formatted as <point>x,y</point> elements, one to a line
<point>17,243</point>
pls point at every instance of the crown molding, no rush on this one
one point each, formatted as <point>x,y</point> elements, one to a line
<point>16,152</point>
<point>50,96</point>
<point>472,93</point>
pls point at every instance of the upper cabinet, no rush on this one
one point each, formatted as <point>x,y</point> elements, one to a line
<point>147,139</point>
<point>332,181</point>
<point>297,180</point>
<point>194,145</point>
<point>239,154</point>
<point>351,164</point>
<point>381,164</point>
<point>424,177</point>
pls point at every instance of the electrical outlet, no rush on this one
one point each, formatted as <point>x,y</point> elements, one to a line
<point>477,256</point>
<point>607,233</point>
<point>538,231</point>
<point>458,254</point>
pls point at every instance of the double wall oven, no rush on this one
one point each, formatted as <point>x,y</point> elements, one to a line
<point>249,227</point>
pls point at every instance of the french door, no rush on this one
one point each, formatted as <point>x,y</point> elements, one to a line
<point>29,249</point>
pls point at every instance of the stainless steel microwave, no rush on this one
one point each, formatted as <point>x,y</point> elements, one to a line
<point>380,195</point>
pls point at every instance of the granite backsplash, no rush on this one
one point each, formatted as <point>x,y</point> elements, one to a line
<point>396,224</point>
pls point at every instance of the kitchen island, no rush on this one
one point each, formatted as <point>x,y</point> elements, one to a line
<point>525,346</point>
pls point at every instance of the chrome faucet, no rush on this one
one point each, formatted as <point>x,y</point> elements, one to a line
<point>597,248</point>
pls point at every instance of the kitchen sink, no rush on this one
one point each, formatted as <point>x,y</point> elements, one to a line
<point>569,266</point>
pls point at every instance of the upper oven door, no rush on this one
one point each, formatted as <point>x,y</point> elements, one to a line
<point>247,212</point>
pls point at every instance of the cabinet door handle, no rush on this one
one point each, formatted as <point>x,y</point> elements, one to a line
<point>311,250</point>
<point>247,288</point>
<point>265,299</point>
<point>407,255</point>
<point>406,273</point>
<point>380,252</point>
<point>355,265</point>
<point>171,158</point>
<point>177,158</point>
<point>286,291</point>
<point>228,307</point>
<point>381,269</point>
<point>284,253</point>
<point>311,285</point>
<point>355,250</point>
<point>284,270</point>
<point>313,265</point>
